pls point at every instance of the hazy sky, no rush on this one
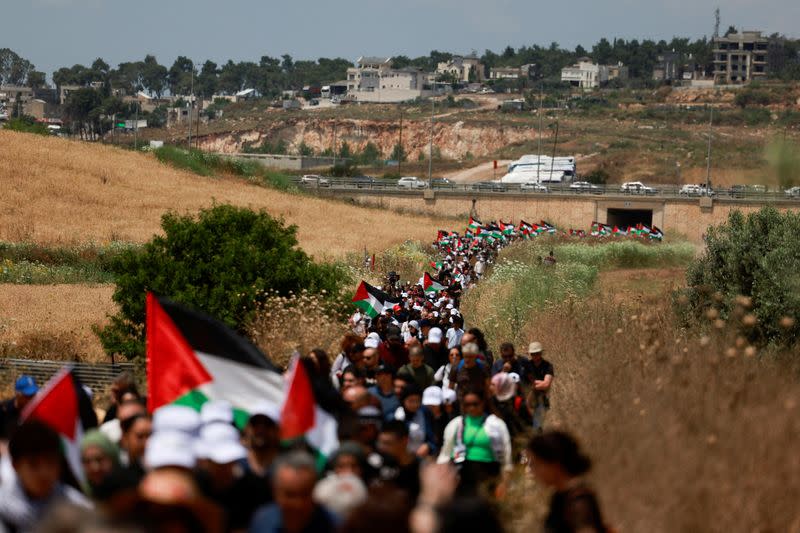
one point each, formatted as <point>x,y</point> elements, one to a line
<point>54,33</point>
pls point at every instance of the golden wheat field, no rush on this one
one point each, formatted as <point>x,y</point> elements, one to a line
<point>54,321</point>
<point>56,191</point>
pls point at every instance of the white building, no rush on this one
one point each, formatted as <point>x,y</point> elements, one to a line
<point>373,79</point>
<point>585,74</point>
<point>462,68</point>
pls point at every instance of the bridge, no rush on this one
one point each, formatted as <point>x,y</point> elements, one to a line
<point>675,214</point>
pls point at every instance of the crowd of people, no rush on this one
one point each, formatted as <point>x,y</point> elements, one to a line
<point>431,423</point>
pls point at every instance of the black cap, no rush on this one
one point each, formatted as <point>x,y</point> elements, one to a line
<point>384,368</point>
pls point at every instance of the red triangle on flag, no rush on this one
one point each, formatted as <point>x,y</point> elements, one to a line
<point>297,415</point>
<point>361,293</point>
<point>173,369</point>
<point>56,405</point>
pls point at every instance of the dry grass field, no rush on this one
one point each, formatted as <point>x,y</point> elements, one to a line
<point>54,321</point>
<point>65,192</point>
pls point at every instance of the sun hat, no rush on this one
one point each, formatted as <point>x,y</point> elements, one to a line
<point>176,418</point>
<point>432,396</point>
<point>169,448</point>
<point>219,443</point>
<point>216,411</point>
<point>535,347</point>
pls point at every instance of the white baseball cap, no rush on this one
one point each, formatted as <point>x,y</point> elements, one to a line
<point>216,411</point>
<point>176,418</point>
<point>448,396</point>
<point>220,444</point>
<point>169,448</point>
<point>435,335</point>
<point>432,396</point>
<point>268,409</point>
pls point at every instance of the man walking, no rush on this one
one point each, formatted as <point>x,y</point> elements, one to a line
<point>540,380</point>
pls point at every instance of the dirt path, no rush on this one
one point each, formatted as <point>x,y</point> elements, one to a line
<point>481,172</point>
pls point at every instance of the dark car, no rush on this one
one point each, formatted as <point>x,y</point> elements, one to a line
<point>442,183</point>
<point>491,186</point>
<point>363,182</point>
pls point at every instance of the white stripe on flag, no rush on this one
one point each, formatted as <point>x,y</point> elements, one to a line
<point>242,385</point>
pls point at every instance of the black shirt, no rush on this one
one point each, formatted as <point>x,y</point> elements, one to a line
<point>9,419</point>
<point>574,510</point>
<point>537,373</point>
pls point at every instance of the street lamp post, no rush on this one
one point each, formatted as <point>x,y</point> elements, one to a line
<point>430,147</point>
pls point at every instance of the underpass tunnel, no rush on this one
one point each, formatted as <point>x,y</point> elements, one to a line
<point>629,217</point>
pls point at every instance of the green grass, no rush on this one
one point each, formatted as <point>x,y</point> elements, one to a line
<point>519,285</point>
<point>28,263</point>
<point>212,165</point>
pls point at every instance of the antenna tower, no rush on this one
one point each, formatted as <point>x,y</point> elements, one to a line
<point>716,23</point>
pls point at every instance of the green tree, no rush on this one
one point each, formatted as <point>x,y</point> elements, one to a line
<point>369,154</point>
<point>223,262</point>
<point>154,76</point>
<point>398,153</point>
<point>756,257</point>
<point>179,77</point>
<point>26,124</point>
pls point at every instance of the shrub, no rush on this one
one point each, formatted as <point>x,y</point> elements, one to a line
<point>26,124</point>
<point>223,262</point>
<point>756,258</point>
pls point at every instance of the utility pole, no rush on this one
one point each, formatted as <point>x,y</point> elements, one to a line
<point>191,105</point>
<point>553,159</point>
<point>400,152</point>
<point>197,130</point>
<point>539,147</point>
<point>333,149</point>
<point>708,159</point>
<point>430,147</point>
<point>136,130</point>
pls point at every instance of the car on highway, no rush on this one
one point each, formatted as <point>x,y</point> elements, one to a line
<point>692,189</point>
<point>410,182</point>
<point>637,187</point>
<point>585,186</point>
<point>314,180</point>
<point>793,192</point>
<point>532,186</point>
<point>363,182</point>
<point>442,183</point>
<point>491,186</point>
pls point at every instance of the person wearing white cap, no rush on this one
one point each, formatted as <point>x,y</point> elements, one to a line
<point>340,493</point>
<point>170,448</point>
<point>261,436</point>
<point>455,333</point>
<point>434,349</point>
<point>449,402</point>
<point>410,331</point>
<point>507,404</point>
<point>216,411</point>
<point>540,376</point>
<point>176,418</point>
<point>222,477</point>
<point>432,399</point>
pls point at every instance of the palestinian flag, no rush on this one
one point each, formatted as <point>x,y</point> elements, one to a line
<point>548,228</point>
<point>507,229</point>
<point>63,405</point>
<point>429,285</point>
<point>372,300</point>
<point>474,223</point>
<point>656,233</point>
<point>618,232</point>
<point>301,416</point>
<point>193,358</point>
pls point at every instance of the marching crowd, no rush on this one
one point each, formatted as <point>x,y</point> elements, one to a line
<point>431,424</point>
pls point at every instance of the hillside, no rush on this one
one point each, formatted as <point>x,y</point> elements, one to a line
<point>65,192</point>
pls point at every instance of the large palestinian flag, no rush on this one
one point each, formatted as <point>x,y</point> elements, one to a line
<point>372,300</point>
<point>193,358</point>
<point>474,223</point>
<point>63,405</point>
<point>429,285</point>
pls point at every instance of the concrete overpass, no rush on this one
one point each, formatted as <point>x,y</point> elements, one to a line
<point>674,215</point>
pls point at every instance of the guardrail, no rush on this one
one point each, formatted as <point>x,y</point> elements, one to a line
<point>658,192</point>
<point>95,375</point>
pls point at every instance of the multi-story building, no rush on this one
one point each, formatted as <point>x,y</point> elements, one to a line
<point>462,68</point>
<point>373,79</point>
<point>740,57</point>
<point>585,74</point>
<point>667,67</point>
